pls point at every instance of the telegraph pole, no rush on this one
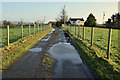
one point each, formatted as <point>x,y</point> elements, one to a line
<point>103,17</point>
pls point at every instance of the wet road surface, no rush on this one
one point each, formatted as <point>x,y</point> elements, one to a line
<point>30,64</point>
<point>68,63</point>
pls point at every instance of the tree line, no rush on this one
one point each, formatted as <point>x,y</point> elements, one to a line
<point>13,25</point>
<point>114,21</point>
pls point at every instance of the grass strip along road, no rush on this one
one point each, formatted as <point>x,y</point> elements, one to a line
<point>103,67</point>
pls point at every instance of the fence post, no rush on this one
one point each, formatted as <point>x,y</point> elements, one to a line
<point>22,31</point>
<point>29,29</point>
<point>45,26</point>
<point>34,29</point>
<point>38,28</point>
<point>92,34</point>
<point>78,30</point>
<point>7,35</point>
<point>42,26</point>
<point>70,28</point>
<point>75,29</point>
<point>109,42</point>
<point>83,32</point>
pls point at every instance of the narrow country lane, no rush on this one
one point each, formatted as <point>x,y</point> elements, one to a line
<point>68,63</point>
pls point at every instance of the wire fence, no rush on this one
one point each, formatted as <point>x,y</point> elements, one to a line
<point>10,34</point>
<point>104,40</point>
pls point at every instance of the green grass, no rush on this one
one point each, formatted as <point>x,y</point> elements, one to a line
<point>18,48</point>
<point>106,69</point>
<point>100,41</point>
<point>47,66</point>
<point>15,33</point>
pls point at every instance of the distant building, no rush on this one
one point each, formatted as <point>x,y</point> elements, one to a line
<point>52,21</point>
<point>76,21</point>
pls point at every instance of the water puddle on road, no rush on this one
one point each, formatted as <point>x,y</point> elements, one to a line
<point>63,52</point>
<point>48,36</point>
<point>52,31</point>
<point>45,39</point>
<point>36,49</point>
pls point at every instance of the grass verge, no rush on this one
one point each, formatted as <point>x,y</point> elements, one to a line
<point>47,64</point>
<point>104,68</point>
<point>18,48</point>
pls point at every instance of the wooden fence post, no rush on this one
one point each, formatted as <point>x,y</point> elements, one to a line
<point>29,29</point>
<point>38,28</point>
<point>92,35</point>
<point>83,32</point>
<point>7,35</point>
<point>109,42</point>
<point>70,28</point>
<point>78,31</point>
<point>22,31</point>
<point>34,29</point>
<point>75,29</point>
<point>42,27</point>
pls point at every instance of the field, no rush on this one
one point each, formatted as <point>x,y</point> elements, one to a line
<point>100,41</point>
<point>15,33</point>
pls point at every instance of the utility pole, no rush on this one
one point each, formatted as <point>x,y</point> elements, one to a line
<point>103,17</point>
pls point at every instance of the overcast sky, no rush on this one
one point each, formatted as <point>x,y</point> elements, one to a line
<point>32,11</point>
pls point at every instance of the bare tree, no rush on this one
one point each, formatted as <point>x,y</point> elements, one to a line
<point>63,16</point>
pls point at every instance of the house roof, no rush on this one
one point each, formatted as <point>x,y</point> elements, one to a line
<point>75,19</point>
<point>52,21</point>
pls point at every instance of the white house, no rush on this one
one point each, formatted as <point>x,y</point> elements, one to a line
<point>76,21</point>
